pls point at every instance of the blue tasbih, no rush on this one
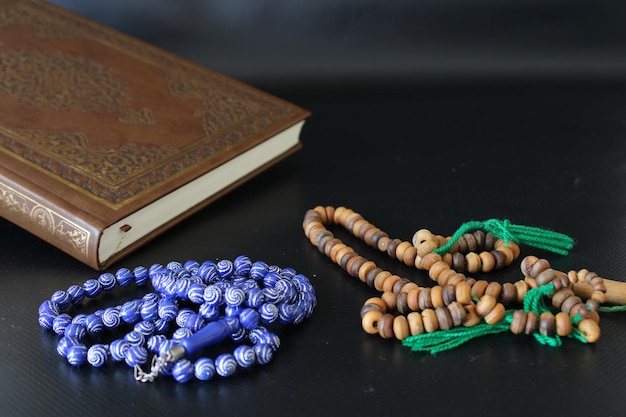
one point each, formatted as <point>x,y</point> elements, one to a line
<point>193,306</point>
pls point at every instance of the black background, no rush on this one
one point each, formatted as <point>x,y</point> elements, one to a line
<point>424,115</point>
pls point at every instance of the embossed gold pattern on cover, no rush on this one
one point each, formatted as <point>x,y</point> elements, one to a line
<point>48,221</point>
<point>224,113</point>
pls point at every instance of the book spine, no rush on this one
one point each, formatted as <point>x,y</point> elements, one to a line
<point>42,214</point>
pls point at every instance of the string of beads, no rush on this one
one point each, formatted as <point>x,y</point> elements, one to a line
<point>409,312</point>
<point>192,305</point>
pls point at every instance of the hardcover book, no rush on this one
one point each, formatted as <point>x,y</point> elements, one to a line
<point>106,141</point>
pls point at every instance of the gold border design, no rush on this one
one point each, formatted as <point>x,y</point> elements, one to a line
<point>48,221</point>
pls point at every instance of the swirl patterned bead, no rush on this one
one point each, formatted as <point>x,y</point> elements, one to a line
<point>118,349</point>
<point>97,355</point>
<point>225,365</point>
<point>61,299</point>
<point>245,356</point>
<point>234,296</point>
<point>77,355</point>
<point>183,370</point>
<point>204,369</point>
<point>136,355</point>
<point>213,294</point>
<point>111,317</point>
<point>92,288</point>
<point>60,322</point>
<point>264,353</point>
<point>107,281</point>
<point>76,293</point>
<point>225,269</point>
<point>94,324</point>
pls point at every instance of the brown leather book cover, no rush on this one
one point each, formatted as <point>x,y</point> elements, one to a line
<point>106,141</point>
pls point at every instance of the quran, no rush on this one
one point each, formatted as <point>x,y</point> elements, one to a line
<point>107,141</point>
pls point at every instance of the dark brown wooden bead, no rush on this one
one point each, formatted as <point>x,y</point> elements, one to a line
<point>490,242</point>
<point>500,259</point>
<point>343,262</point>
<point>569,303</point>
<point>353,265</point>
<point>448,294</point>
<point>538,267</point>
<point>508,294</point>
<point>546,324</point>
<point>376,237</point>
<point>391,248</point>
<point>401,303</point>
<point>397,287</point>
<point>457,312</point>
<point>371,276</point>
<point>385,326</point>
<point>424,300</point>
<point>532,320</point>
<point>546,276</point>
<point>579,310</point>
<point>560,296</point>
<point>369,307</point>
<point>472,245</point>
<point>479,235</point>
<point>458,262</point>
<point>518,323</point>
<point>527,264</point>
<point>444,318</point>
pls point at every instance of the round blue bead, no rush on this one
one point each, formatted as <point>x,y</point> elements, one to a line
<point>111,317</point>
<point>255,297</point>
<point>208,272</point>
<point>64,345</point>
<point>225,364</point>
<point>79,319</point>
<point>97,355</point>
<point>285,313</point>
<point>75,331</point>
<point>118,349</point>
<point>107,280</point>
<point>181,333</point>
<point>136,355</point>
<point>249,318</point>
<point>245,356</point>
<point>270,294</point>
<point>234,296</point>
<point>239,335</point>
<point>213,294</point>
<point>124,277</point>
<point>174,266</point>
<point>191,266</point>
<point>60,323</point>
<point>258,270</point>
<point>232,311</point>
<point>183,370</point>
<point>48,311</point>
<point>270,279</point>
<point>264,353</point>
<point>287,273</point>
<point>182,288</point>
<point>195,293</point>
<point>275,269</point>
<point>182,316</point>
<point>225,269</point>
<point>154,342</point>
<point>61,298</point>
<point>269,313</point>
<point>194,322</point>
<point>94,324</point>
<point>135,338</point>
<point>167,309</point>
<point>145,328</point>
<point>77,355</point>
<point>149,310</point>
<point>130,311</point>
<point>155,269</point>
<point>204,369</point>
<point>76,293</point>
<point>141,275</point>
<point>242,265</point>
<point>92,288</point>
<point>209,311</point>
<point>161,326</point>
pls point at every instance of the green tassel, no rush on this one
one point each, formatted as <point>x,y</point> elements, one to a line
<point>507,231</point>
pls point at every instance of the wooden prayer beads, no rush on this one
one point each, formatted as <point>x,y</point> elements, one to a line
<point>405,309</point>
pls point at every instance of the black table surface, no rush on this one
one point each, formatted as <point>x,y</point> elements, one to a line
<point>405,157</point>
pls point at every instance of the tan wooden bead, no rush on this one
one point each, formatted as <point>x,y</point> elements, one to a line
<point>447,258</point>
<point>416,326</point>
<point>436,269</point>
<point>426,247</point>
<point>322,213</point>
<point>522,288</point>
<point>429,318</point>
<point>572,276</point>
<point>401,249</point>
<point>473,262</point>
<point>463,293</point>
<point>496,314</point>
<point>401,327</point>
<point>410,256</point>
<point>494,288</point>
<point>436,296</point>
<point>366,267</point>
<point>515,249</point>
<point>599,296</point>
<point>456,279</point>
<point>369,322</point>
<point>488,262</point>
<point>457,312</point>
<point>546,276</point>
<point>357,225</point>
<point>479,287</point>
<point>412,299</point>
<point>590,330</point>
<point>330,214</point>
<point>380,279</point>
<point>563,324</point>
<point>389,299</point>
<point>421,236</point>
<point>485,305</point>
<point>429,260</point>
<point>441,240</point>
<point>538,267</point>
<point>518,322</point>
<point>378,301</point>
<point>471,318</point>
<point>409,286</point>
<point>508,253</point>
<point>390,281</point>
<point>339,211</point>
<point>336,248</point>
<point>341,253</point>
<point>444,276</point>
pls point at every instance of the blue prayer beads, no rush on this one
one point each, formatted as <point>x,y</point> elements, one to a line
<point>242,295</point>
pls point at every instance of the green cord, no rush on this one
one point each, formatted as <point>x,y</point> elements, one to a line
<point>507,231</point>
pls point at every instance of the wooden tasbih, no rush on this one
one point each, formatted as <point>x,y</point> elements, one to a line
<point>460,306</point>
